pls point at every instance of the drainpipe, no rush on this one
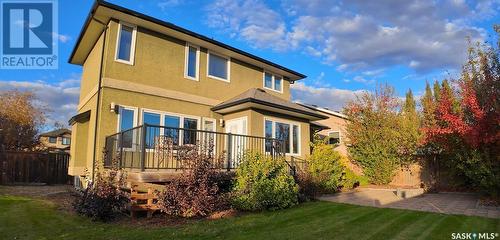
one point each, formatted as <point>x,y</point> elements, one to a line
<point>98,97</point>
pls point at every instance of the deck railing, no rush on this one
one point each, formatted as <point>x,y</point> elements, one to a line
<point>148,147</point>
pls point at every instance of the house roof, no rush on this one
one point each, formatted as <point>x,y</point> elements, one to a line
<point>319,126</point>
<point>102,12</point>
<point>260,99</point>
<point>56,133</point>
<point>324,110</point>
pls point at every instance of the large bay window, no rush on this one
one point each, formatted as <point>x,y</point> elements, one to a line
<point>288,132</point>
<point>172,123</point>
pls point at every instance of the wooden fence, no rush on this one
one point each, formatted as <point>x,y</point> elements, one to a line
<point>34,167</point>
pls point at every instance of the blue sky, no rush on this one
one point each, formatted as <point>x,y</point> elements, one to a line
<point>344,47</point>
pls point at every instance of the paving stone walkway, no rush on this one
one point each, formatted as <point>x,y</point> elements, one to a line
<point>447,203</point>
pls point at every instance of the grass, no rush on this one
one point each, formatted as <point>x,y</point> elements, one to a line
<point>26,218</point>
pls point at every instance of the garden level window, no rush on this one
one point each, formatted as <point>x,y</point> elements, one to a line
<point>125,44</point>
<point>218,67</point>
<point>273,82</point>
<point>192,62</point>
<point>287,132</point>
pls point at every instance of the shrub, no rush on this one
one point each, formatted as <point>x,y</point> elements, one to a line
<point>378,141</point>
<point>103,198</point>
<point>351,180</point>
<point>326,168</point>
<point>264,183</point>
<point>199,190</point>
<point>308,189</point>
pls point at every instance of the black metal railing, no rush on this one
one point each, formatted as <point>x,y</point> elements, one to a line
<point>296,165</point>
<point>158,147</point>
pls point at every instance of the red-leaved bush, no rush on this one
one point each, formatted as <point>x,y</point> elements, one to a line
<point>199,190</point>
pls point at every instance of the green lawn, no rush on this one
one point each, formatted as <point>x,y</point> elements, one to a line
<point>25,218</point>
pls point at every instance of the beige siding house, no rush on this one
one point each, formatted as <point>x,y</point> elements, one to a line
<point>57,140</point>
<point>161,80</point>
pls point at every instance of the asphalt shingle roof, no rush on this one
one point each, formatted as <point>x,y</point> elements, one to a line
<point>258,95</point>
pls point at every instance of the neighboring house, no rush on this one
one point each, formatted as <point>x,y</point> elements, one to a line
<point>334,130</point>
<point>57,140</point>
<point>138,69</point>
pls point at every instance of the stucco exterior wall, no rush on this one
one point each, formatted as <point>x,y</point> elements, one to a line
<point>159,62</point>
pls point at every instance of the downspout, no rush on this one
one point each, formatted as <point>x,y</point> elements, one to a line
<point>98,97</point>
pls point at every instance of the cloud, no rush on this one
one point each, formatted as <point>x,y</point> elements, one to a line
<point>61,97</point>
<point>61,37</point>
<point>250,20</point>
<point>332,98</point>
<point>423,35</point>
<point>165,4</point>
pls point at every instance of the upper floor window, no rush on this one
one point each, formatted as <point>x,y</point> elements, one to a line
<point>66,141</point>
<point>218,67</point>
<point>273,82</point>
<point>192,62</point>
<point>52,139</point>
<point>125,43</point>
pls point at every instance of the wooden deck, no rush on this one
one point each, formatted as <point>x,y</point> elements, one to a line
<point>154,176</point>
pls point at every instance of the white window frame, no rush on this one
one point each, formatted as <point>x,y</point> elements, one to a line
<point>62,141</point>
<point>134,124</point>
<point>291,124</point>
<point>228,80</point>
<point>273,83</point>
<point>238,119</point>
<point>132,44</point>
<point>214,130</point>
<point>162,120</point>
<point>186,61</point>
<point>135,109</point>
<point>211,120</point>
<point>340,136</point>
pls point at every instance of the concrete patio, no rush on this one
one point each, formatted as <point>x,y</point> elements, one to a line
<point>447,203</point>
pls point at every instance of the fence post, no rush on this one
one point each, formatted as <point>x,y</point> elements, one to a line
<point>229,150</point>
<point>143,145</point>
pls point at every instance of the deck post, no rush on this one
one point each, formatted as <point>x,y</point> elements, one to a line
<point>121,151</point>
<point>143,145</point>
<point>229,150</point>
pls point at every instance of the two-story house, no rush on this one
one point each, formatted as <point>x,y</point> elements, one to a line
<point>140,71</point>
<point>58,140</point>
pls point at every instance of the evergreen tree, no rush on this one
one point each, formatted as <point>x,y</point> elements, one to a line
<point>428,107</point>
<point>437,91</point>
<point>409,130</point>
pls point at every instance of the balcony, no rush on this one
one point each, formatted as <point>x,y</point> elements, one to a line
<point>152,148</point>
